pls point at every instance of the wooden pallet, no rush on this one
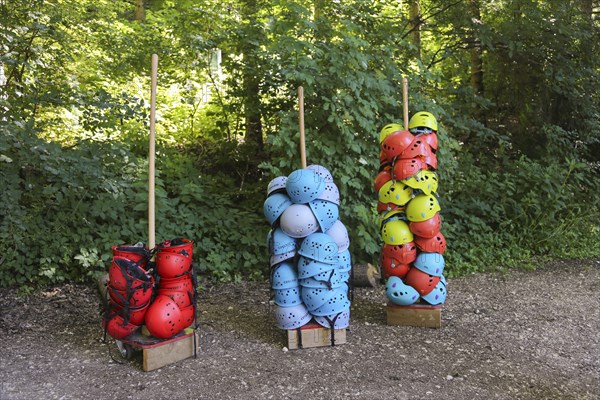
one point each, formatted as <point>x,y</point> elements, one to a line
<point>158,353</point>
<point>314,335</point>
<point>423,315</point>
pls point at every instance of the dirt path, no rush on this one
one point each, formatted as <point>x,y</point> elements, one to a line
<point>524,335</point>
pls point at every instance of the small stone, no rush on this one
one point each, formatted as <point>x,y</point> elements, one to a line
<point>285,349</point>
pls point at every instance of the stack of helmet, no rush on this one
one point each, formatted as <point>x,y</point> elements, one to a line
<point>412,258</point>
<point>130,290</point>
<point>308,248</point>
<point>174,307</point>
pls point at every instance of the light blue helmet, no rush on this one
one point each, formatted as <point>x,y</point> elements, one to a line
<point>327,279</point>
<point>314,298</point>
<point>298,221</point>
<point>330,193</point>
<point>292,317</point>
<point>284,276</point>
<point>275,205</point>
<point>430,263</point>
<point>334,305</point>
<point>322,172</point>
<point>326,213</point>
<point>399,293</point>
<point>281,243</point>
<point>438,294</point>
<point>276,184</point>
<point>304,185</point>
<point>319,246</point>
<point>339,233</point>
<point>308,267</point>
<point>276,259</point>
<point>287,297</point>
<point>340,320</point>
<point>344,261</point>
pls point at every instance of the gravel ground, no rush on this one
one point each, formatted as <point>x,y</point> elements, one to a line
<point>520,335</point>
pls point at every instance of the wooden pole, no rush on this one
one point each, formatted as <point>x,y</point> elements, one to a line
<point>151,154</point>
<point>405,101</point>
<point>301,119</point>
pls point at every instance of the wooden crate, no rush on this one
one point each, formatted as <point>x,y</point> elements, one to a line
<point>314,335</point>
<point>158,353</point>
<point>424,315</point>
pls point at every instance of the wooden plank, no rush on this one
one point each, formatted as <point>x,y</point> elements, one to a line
<point>421,315</point>
<point>168,352</point>
<point>314,335</point>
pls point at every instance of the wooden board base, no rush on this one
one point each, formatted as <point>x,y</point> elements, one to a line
<point>158,353</point>
<point>314,335</point>
<point>423,315</point>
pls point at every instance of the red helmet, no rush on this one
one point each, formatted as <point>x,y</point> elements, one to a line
<point>136,314</point>
<point>404,253</point>
<point>421,281</point>
<point>183,283</point>
<point>405,168</point>
<point>394,144</point>
<point>137,254</point>
<point>431,139</point>
<point>188,314</point>
<point>428,228</point>
<point>436,244</point>
<point>183,299</point>
<point>117,328</point>
<point>135,297</point>
<point>382,177</point>
<point>172,265</point>
<point>418,147</point>
<point>430,160</point>
<point>391,267</point>
<point>180,246</point>
<point>163,318</point>
<point>125,274</point>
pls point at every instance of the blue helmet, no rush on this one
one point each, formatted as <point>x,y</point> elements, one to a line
<point>284,276</point>
<point>330,193</point>
<point>304,185</point>
<point>281,243</point>
<point>275,205</point>
<point>438,294</point>
<point>344,261</point>
<point>288,297</point>
<point>308,267</point>
<point>319,246</point>
<point>277,184</point>
<point>399,293</point>
<point>334,305</point>
<point>339,233</point>
<point>327,279</point>
<point>326,213</point>
<point>298,221</point>
<point>322,172</point>
<point>314,298</point>
<point>292,317</point>
<point>430,263</point>
<point>340,320</point>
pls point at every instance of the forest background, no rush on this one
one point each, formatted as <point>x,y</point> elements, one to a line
<point>513,83</point>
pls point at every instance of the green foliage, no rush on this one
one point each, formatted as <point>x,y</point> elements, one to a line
<point>518,159</point>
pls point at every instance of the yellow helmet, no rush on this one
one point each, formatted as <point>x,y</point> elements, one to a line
<point>396,232</point>
<point>395,192</point>
<point>423,119</point>
<point>422,207</point>
<point>424,180</point>
<point>388,130</point>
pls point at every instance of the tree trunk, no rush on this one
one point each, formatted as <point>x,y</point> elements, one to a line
<point>476,52</point>
<point>140,13</point>
<point>414,25</point>
<point>251,77</point>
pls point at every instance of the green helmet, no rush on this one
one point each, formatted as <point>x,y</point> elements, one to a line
<point>424,180</point>
<point>422,207</point>
<point>396,232</point>
<point>423,119</point>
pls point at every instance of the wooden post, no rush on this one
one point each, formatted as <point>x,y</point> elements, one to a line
<point>405,101</point>
<point>301,119</point>
<point>151,154</point>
